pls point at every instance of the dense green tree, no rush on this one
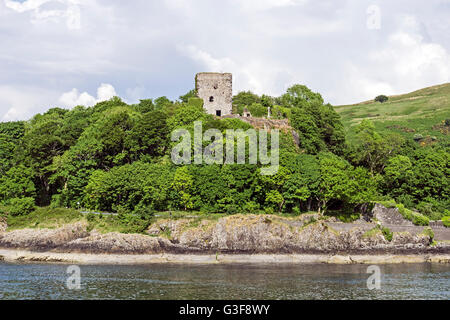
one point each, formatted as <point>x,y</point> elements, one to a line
<point>244,99</point>
<point>319,126</point>
<point>382,98</point>
<point>182,184</point>
<point>334,180</point>
<point>145,105</point>
<point>257,110</point>
<point>162,103</point>
<point>17,183</point>
<point>185,116</point>
<point>298,95</point>
<point>150,135</point>
<point>191,94</point>
<point>116,157</point>
<point>129,186</point>
<point>398,175</point>
<point>431,172</point>
<point>7,153</point>
<point>372,149</point>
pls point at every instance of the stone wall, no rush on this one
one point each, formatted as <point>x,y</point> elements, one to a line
<point>263,123</point>
<point>268,125</point>
<point>216,90</point>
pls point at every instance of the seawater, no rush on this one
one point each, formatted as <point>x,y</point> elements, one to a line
<point>264,281</point>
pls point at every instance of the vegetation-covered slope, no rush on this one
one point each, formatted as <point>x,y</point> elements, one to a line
<point>419,113</point>
<point>117,157</point>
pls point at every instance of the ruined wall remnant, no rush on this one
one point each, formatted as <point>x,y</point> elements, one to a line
<point>263,123</point>
<point>216,90</point>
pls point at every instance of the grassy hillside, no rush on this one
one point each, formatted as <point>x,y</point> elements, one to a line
<point>420,112</point>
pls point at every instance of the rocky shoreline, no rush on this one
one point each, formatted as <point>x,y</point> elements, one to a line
<point>21,256</point>
<point>242,238</point>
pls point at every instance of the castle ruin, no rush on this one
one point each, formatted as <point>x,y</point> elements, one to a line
<point>216,90</point>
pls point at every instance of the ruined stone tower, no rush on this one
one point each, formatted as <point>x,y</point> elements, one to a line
<point>216,91</point>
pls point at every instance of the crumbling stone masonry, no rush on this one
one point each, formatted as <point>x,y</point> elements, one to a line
<point>216,90</point>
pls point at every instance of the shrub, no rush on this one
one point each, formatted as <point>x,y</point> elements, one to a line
<point>428,232</point>
<point>196,102</point>
<point>420,220</point>
<point>21,206</point>
<point>425,208</point>
<point>348,217</point>
<point>231,209</point>
<point>56,201</point>
<point>388,203</point>
<point>381,98</point>
<point>387,233</point>
<point>269,210</point>
<point>446,221</point>
<point>131,223</point>
<point>407,200</point>
<point>416,218</point>
<point>143,211</point>
<point>251,207</point>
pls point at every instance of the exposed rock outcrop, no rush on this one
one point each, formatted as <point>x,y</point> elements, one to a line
<point>248,234</point>
<point>117,243</point>
<point>389,216</point>
<point>262,234</point>
<point>3,225</point>
<point>43,239</point>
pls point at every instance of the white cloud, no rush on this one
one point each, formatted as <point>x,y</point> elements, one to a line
<point>71,14</point>
<point>406,62</point>
<point>74,98</point>
<point>252,5</point>
<point>22,102</point>
<point>26,5</point>
<point>48,46</point>
<point>413,59</point>
<point>257,75</point>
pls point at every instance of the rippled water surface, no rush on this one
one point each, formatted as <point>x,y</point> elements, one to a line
<point>405,281</point>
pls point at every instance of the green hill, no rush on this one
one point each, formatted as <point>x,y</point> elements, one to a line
<point>422,112</point>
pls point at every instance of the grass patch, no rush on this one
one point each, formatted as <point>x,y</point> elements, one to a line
<point>420,112</point>
<point>343,216</point>
<point>125,223</point>
<point>44,218</point>
<point>446,221</point>
<point>387,233</point>
<point>372,233</point>
<point>52,218</point>
<point>428,232</point>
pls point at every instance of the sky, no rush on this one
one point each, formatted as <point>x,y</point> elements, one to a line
<point>63,53</point>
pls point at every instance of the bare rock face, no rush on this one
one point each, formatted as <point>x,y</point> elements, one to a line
<point>175,227</point>
<point>117,243</point>
<point>3,225</point>
<point>389,216</point>
<point>231,234</point>
<point>263,234</point>
<point>43,239</point>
